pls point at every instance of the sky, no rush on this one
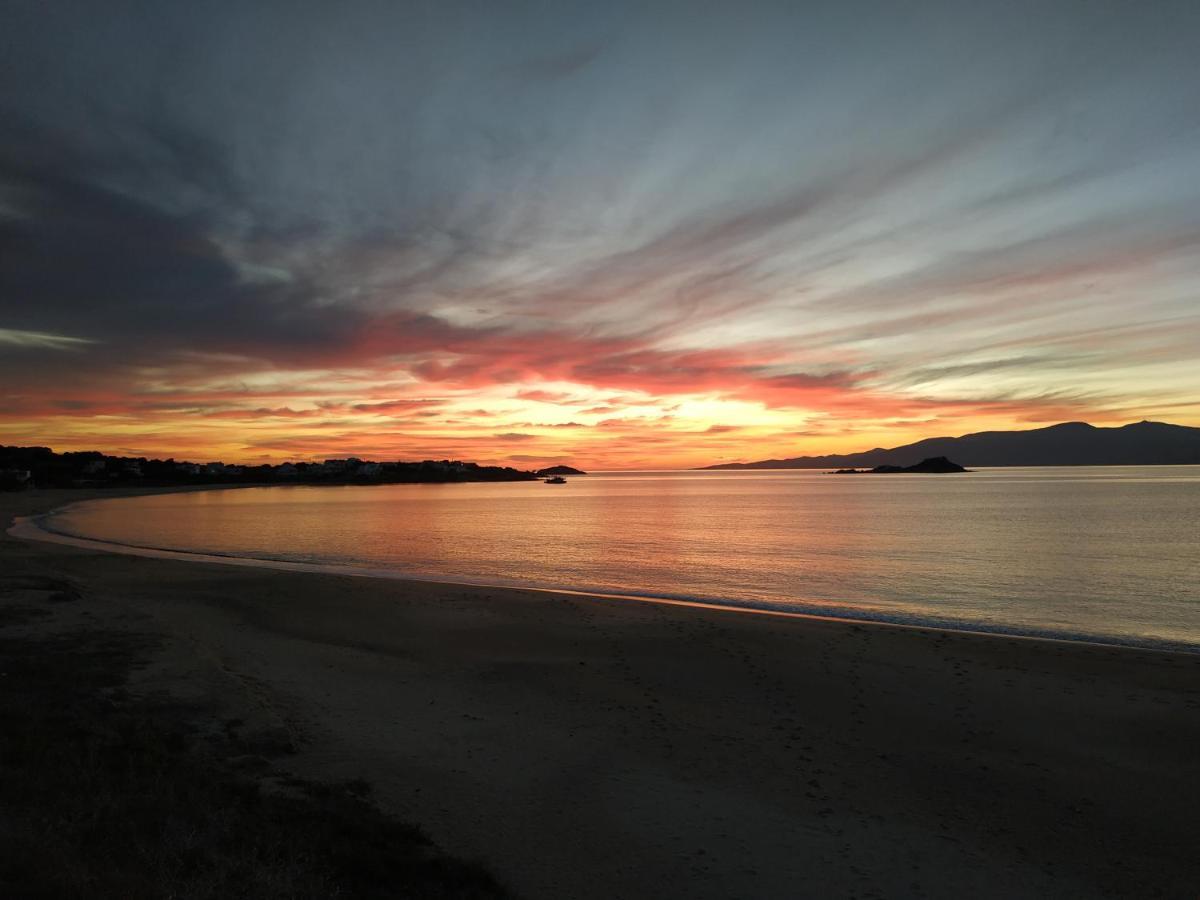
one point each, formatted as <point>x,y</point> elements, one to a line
<point>619,235</point>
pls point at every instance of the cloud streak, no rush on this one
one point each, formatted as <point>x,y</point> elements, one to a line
<point>658,235</point>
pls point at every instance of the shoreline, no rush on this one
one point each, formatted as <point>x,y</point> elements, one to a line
<point>35,527</point>
<point>590,748</point>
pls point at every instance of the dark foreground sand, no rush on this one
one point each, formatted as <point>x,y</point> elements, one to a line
<point>591,748</point>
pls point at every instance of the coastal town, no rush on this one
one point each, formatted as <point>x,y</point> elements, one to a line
<point>28,467</point>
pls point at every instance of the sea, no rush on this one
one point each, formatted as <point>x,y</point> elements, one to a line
<point>1107,554</point>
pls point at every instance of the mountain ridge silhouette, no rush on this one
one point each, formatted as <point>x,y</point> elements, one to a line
<point>1142,443</point>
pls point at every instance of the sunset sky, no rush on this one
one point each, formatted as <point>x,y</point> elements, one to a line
<point>618,235</point>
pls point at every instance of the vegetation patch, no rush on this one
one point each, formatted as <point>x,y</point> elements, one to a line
<point>104,794</point>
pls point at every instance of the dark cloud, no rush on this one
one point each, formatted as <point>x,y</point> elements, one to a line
<point>558,65</point>
<point>397,406</point>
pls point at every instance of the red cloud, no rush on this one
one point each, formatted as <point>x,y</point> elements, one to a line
<point>393,406</point>
<point>542,396</point>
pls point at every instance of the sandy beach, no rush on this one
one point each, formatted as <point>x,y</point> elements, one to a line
<point>594,748</point>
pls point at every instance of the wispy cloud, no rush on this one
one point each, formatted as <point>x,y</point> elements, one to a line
<point>41,340</point>
<point>618,237</point>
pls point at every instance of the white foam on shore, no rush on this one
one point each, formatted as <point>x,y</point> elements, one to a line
<point>35,528</point>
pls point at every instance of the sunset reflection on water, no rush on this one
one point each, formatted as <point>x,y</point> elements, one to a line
<point>1104,552</point>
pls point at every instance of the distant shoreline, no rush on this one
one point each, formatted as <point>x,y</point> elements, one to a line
<point>1066,444</point>
<point>756,467</point>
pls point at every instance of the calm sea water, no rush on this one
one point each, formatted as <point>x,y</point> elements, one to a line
<point>1110,553</point>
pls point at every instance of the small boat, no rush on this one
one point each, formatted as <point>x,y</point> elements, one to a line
<point>557,479</point>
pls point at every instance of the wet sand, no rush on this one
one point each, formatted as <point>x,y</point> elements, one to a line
<point>596,748</point>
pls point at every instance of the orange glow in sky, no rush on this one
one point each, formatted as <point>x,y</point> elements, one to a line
<point>610,424</point>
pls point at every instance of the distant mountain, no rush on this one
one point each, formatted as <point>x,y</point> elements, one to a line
<point>1069,444</point>
<point>561,470</point>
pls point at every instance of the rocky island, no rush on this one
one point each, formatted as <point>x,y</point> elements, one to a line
<point>561,470</point>
<point>935,465</point>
